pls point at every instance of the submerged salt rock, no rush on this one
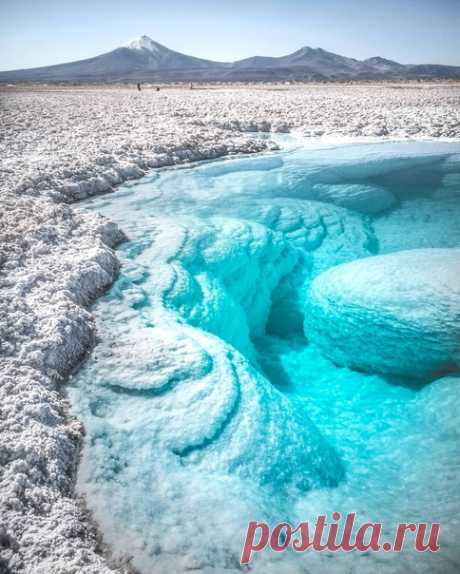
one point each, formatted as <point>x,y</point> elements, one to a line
<point>360,197</point>
<point>156,359</point>
<point>452,180</point>
<point>397,313</point>
<point>427,222</point>
<point>439,404</point>
<point>219,274</point>
<point>224,439</point>
<point>209,408</point>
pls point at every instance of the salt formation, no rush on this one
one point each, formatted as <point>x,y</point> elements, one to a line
<point>175,391</point>
<point>54,261</point>
<point>82,142</point>
<point>322,235</point>
<point>427,222</point>
<point>219,276</point>
<point>397,313</point>
<point>439,404</point>
<point>364,198</point>
<point>201,348</point>
<point>59,146</point>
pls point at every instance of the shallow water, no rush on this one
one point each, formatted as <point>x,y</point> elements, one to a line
<point>205,405</point>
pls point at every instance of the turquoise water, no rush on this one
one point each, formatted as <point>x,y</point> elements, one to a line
<point>206,406</point>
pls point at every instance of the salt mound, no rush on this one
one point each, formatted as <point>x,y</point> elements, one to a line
<point>221,417</point>
<point>167,358</point>
<point>397,313</point>
<point>366,199</point>
<point>439,403</point>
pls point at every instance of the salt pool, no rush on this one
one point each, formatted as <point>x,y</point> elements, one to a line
<point>211,400</point>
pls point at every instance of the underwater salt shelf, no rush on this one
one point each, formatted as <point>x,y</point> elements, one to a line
<point>216,394</point>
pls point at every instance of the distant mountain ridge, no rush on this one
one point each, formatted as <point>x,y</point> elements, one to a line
<point>144,59</point>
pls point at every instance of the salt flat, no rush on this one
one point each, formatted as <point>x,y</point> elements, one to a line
<point>61,145</point>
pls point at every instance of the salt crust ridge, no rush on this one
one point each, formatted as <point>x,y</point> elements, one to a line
<point>395,307</point>
<point>61,146</point>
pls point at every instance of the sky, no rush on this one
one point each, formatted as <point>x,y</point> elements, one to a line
<point>44,32</point>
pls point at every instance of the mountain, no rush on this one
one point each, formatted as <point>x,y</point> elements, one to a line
<point>158,57</point>
<point>140,59</point>
<point>384,66</point>
<point>315,59</point>
<point>146,60</point>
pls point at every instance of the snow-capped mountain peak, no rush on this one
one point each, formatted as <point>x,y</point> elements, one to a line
<point>144,43</point>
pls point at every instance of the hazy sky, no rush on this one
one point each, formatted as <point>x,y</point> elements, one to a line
<point>41,32</point>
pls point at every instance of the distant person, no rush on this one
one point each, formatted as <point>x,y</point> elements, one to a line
<point>138,86</point>
<point>191,86</point>
<point>158,88</point>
